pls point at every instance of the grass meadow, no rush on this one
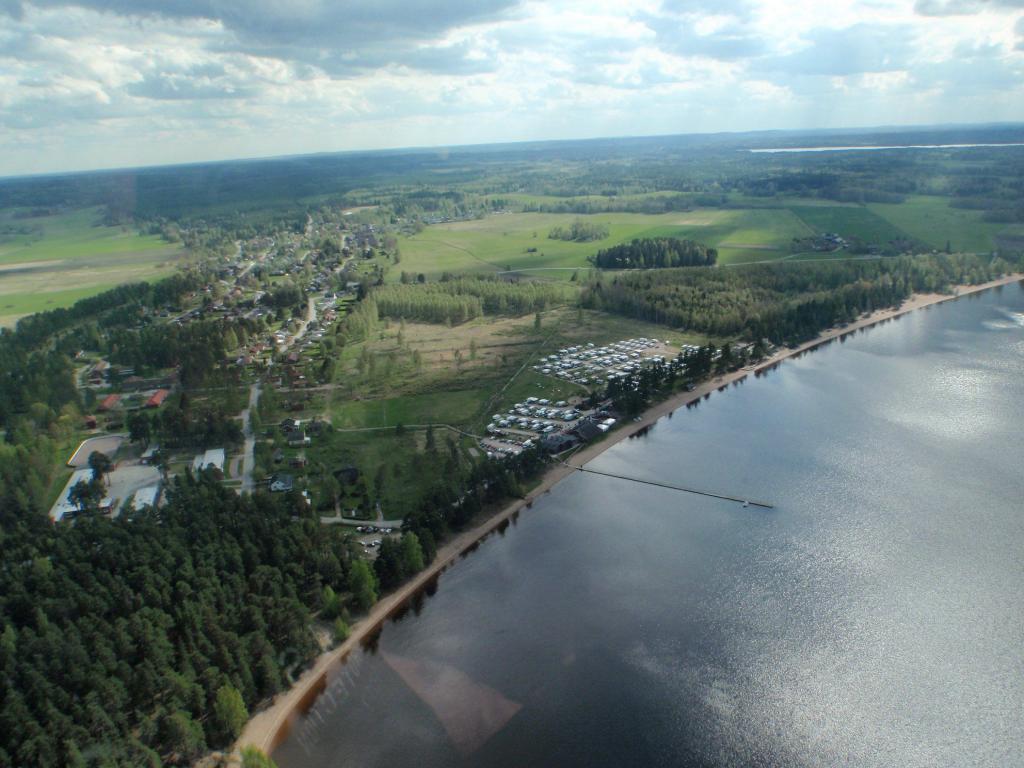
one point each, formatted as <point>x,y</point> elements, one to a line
<point>763,232</point>
<point>932,221</point>
<point>504,241</point>
<point>52,261</point>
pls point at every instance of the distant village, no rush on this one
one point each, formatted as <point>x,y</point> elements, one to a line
<point>331,282</point>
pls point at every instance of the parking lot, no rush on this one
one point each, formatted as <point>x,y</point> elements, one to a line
<point>588,365</point>
<point>591,365</point>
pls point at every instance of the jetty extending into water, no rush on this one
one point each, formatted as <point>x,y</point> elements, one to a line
<point>670,486</point>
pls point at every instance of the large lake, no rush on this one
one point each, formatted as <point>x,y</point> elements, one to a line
<point>868,148</point>
<point>875,617</point>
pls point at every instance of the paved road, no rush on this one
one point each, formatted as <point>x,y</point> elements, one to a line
<point>310,317</point>
<point>339,520</point>
<point>249,458</point>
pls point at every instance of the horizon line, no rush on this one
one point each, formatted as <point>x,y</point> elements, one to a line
<point>419,149</point>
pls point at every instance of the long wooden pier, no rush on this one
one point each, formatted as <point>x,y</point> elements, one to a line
<point>684,489</point>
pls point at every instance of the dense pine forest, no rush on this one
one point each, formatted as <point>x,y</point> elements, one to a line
<point>136,642</point>
<point>658,252</point>
<point>782,302</point>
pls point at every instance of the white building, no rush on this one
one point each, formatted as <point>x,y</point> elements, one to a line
<point>145,497</point>
<point>212,458</point>
<point>64,506</point>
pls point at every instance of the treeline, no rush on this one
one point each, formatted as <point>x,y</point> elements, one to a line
<point>182,425</point>
<point>29,378</point>
<point>996,210</point>
<point>146,642</point>
<point>34,329</point>
<point>40,406</point>
<point>456,300</point>
<point>284,296</point>
<point>29,457</point>
<point>631,394</point>
<point>195,348</point>
<point>783,302</point>
<point>427,304</point>
<point>451,505</point>
<point>652,253</point>
<point>580,232</point>
<point>612,203</point>
<point>456,498</point>
<point>361,322</point>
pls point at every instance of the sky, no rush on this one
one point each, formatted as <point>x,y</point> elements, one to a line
<point>116,83</point>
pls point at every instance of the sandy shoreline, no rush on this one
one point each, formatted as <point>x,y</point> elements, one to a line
<point>263,728</point>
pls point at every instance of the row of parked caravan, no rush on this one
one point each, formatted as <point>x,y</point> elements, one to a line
<point>536,415</point>
<point>590,364</point>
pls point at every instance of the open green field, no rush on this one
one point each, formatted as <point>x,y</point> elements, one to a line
<point>932,221</point>
<point>450,407</point>
<point>759,233</point>
<point>849,221</point>
<point>48,262</point>
<point>502,242</point>
<point>68,236</point>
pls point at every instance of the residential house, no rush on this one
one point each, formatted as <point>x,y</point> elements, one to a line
<point>298,437</point>
<point>157,398</point>
<point>281,483</point>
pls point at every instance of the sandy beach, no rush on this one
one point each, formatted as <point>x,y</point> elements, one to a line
<point>266,727</point>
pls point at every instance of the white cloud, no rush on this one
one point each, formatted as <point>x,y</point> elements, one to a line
<point>91,83</point>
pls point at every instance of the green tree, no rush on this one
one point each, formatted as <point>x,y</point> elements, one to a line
<point>229,712</point>
<point>8,646</point>
<point>412,553</point>
<point>332,605</point>
<point>341,630</point>
<point>388,566</point>
<point>363,585</point>
<point>139,428</point>
<point>86,495</point>
<point>254,758</point>
<point>100,464</point>
<point>183,735</point>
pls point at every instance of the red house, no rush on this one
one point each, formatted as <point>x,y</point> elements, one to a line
<point>157,399</point>
<point>109,402</point>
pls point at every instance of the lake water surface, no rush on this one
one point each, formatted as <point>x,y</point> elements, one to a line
<point>875,617</point>
<point>866,148</point>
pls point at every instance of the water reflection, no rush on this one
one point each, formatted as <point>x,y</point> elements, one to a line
<point>872,620</point>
